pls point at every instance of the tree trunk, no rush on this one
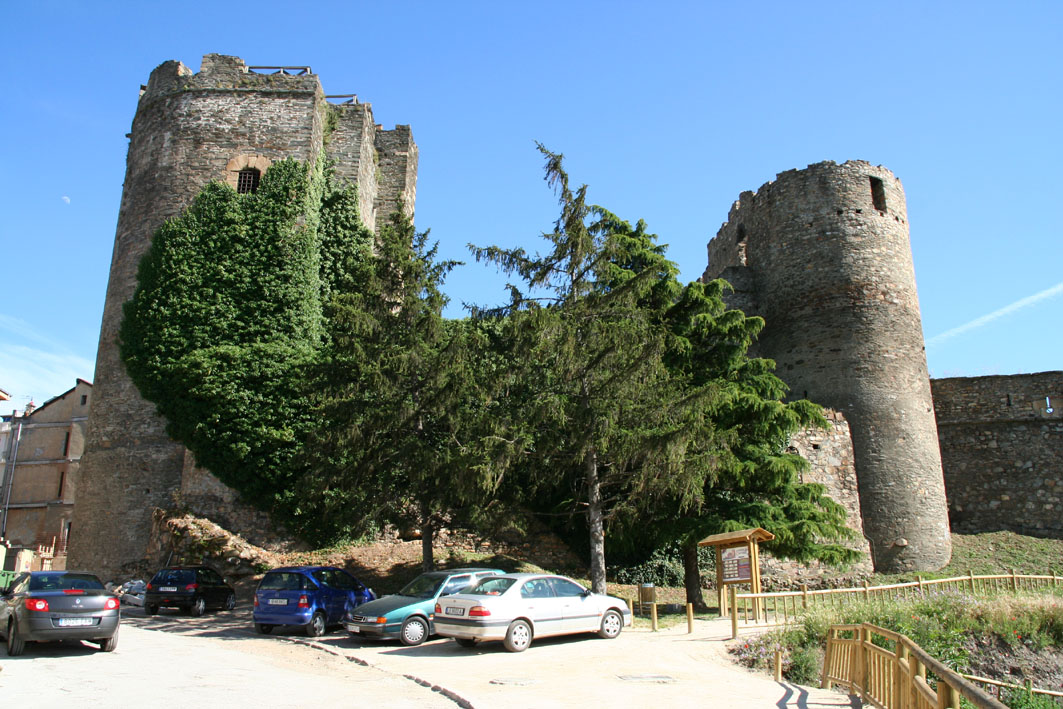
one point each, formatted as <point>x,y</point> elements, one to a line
<point>595,523</point>
<point>692,576</point>
<point>428,530</point>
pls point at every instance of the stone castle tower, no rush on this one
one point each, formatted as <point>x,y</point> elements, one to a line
<point>823,255</point>
<point>228,122</point>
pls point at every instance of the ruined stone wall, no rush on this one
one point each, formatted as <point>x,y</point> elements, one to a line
<point>396,172</point>
<point>1002,451</point>
<point>189,129</point>
<point>831,464</point>
<point>825,259</point>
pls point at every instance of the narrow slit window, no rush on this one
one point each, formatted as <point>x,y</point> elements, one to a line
<point>741,234</point>
<point>66,444</point>
<point>878,194</point>
<point>247,180</point>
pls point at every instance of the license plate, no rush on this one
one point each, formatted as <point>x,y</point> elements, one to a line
<point>452,610</point>
<point>278,601</point>
<point>353,629</point>
<point>69,622</point>
<point>168,589</point>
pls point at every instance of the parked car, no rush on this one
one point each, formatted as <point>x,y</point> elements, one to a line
<point>516,608</point>
<point>43,606</point>
<point>314,597</point>
<point>193,589</point>
<point>408,614</point>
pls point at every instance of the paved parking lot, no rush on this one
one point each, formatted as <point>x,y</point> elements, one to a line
<point>220,658</point>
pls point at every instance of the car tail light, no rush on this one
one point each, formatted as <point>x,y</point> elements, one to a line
<point>439,609</point>
<point>149,587</point>
<point>74,591</point>
<point>303,602</point>
<point>479,612</point>
<point>36,604</point>
<point>256,601</point>
<point>192,587</point>
<point>110,604</point>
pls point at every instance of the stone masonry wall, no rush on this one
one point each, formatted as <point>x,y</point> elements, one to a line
<point>1002,451</point>
<point>830,455</point>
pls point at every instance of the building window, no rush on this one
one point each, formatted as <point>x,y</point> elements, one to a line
<point>84,399</point>
<point>62,479</point>
<point>66,444</point>
<point>741,234</point>
<point>247,180</point>
<point>878,194</point>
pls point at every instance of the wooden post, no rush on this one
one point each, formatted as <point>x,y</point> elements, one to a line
<point>920,672</point>
<point>804,596</point>
<point>653,615</point>
<point>1014,582</point>
<point>898,674</point>
<point>971,575</point>
<point>777,664</point>
<point>947,696</point>
<point>690,618</point>
<point>920,580</point>
<point>824,681</point>
<point>867,593</point>
<point>858,664</point>
<point>734,614</point>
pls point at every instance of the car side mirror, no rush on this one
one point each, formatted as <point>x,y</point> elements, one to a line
<point>587,592</point>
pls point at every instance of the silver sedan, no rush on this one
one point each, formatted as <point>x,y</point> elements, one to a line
<point>515,608</point>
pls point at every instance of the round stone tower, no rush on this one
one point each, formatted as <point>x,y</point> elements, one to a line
<point>823,255</point>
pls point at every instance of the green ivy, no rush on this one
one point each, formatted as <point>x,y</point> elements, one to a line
<point>229,316</point>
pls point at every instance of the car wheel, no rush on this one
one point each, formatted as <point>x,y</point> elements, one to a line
<point>518,636</point>
<point>316,626</point>
<point>612,624</point>
<point>230,602</point>
<point>414,631</point>
<point>151,609</point>
<point>263,628</point>
<point>197,607</point>
<point>465,642</point>
<point>109,644</point>
<point>15,643</point>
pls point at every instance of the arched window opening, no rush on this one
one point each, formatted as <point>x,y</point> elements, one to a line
<point>247,180</point>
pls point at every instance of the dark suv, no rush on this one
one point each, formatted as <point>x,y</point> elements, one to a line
<point>190,588</point>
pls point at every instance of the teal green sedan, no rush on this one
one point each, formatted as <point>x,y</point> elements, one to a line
<point>409,615</point>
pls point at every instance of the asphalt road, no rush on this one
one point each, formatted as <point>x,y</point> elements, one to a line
<point>218,658</point>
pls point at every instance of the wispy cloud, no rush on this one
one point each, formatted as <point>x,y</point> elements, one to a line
<point>65,199</point>
<point>29,373</point>
<point>33,366</point>
<point>996,314</point>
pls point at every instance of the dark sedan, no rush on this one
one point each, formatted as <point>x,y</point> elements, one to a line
<point>193,589</point>
<point>44,606</point>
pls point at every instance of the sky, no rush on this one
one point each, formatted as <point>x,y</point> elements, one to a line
<point>667,110</point>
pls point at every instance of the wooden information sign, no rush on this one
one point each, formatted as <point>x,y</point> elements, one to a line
<point>737,560</point>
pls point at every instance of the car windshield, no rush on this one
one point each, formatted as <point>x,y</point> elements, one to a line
<point>424,586</point>
<point>174,577</point>
<point>283,581</point>
<point>64,582</point>
<point>493,586</point>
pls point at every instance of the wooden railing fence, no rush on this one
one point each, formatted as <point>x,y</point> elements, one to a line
<point>994,687</point>
<point>768,610</point>
<point>894,673</point>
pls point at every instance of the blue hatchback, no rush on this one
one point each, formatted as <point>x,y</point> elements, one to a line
<point>313,597</point>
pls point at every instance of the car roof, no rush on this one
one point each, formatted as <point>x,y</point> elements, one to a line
<point>524,575</point>
<point>303,569</point>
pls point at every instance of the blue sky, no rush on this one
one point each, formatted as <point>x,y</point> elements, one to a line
<point>668,110</point>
